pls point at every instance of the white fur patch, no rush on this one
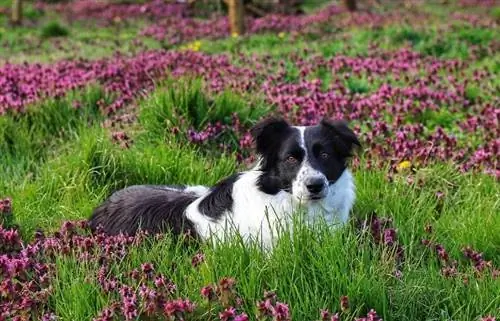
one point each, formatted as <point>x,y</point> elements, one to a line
<point>198,190</point>
<point>258,216</point>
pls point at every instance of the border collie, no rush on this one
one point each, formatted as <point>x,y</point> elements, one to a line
<point>296,166</point>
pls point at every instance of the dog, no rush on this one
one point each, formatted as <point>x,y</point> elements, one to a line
<point>296,166</point>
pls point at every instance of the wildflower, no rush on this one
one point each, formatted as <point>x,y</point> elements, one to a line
<point>281,312</point>
<point>227,283</point>
<point>147,269</point>
<point>197,259</point>
<point>5,205</point>
<point>49,316</point>
<point>344,303</point>
<point>178,307</point>
<point>441,251</point>
<point>208,293</point>
<point>403,165</point>
<point>235,35</point>
<point>449,271</point>
<point>324,315</point>
<point>281,35</point>
<point>389,236</point>
<point>227,314</point>
<point>135,275</point>
<point>241,317</point>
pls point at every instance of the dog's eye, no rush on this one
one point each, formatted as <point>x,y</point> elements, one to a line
<point>291,160</point>
<point>324,155</point>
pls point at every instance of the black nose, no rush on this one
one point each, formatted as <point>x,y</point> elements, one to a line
<point>315,185</point>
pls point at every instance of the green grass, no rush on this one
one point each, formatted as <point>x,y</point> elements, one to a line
<point>84,166</point>
<point>309,275</point>
<point>58,163</point>
<point>92,41</point>
<point>53,29</point>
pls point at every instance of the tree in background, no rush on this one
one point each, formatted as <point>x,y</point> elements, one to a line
<point>16,16</point>
<point>350,5</point>
<point>236,16</point>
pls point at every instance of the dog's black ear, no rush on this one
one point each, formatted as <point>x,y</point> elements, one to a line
<point>345,139</point>
<point>267,133</point>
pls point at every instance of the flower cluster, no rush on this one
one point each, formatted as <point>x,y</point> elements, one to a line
<point>113,12</point>
<point>405,118</point>
<point>5,205</point>
<point>480,264</point>
<point>121,138</point>
<point>326,315</point>
<point>476,3</point>
<point>175,29</point>
<point>371,316</point>
<point>271,308</point>
<point>25,283</point>
<point>450,267</point>
<point>394,117</point>
<point>124,77</point>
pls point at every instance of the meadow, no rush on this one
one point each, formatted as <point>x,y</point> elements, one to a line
<point>95,97</point>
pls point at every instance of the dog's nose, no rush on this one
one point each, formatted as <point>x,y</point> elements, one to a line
<point>315,185</point>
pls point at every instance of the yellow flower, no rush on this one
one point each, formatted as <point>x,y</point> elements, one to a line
<point>234,35</point>
<point>281,35</point>
<point>403,165</point>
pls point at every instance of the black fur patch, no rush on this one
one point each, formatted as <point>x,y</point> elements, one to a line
<point>151,208</point>
<point>333,138</point>
<point>276,141</point>
<point>220,198</point>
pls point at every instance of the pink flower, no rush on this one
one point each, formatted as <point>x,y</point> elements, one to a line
<point>197,259</point>
<point>228,314</point>
<point>344,303</point>
<point>208,293</point>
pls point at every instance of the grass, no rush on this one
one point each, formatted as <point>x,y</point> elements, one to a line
<point>85,166</point>
<point>58,163</point>
<point>309,275</point>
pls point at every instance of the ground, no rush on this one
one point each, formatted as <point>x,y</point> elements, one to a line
<point>96,97</point>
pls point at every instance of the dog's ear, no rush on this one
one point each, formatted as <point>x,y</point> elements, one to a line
<point>267,133</point>
<point>345,139</point>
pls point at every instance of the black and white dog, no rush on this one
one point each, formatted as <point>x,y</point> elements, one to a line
<point>297,166</point>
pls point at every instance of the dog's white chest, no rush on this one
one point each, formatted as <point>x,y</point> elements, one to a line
<point>257,215</point>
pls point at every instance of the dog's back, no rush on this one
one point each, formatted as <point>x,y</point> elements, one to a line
<point>151,208</point>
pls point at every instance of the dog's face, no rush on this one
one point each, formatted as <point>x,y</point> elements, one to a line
<point>303,161</point>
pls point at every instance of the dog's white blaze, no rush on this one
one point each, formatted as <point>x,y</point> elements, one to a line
<point>306,171</point>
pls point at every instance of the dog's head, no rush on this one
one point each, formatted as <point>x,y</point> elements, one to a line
<point>302,160</point>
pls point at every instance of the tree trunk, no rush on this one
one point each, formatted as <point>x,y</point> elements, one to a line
<point>350,5</point>
<point>17,12</point>
<point>236,17</point>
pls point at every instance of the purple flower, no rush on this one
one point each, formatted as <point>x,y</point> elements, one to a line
<point>197,259</point>
<point>228,314</point>
<point>208,293</point>
<point>389,236</point>
<point>344,303</point>
<point>241,317</point>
